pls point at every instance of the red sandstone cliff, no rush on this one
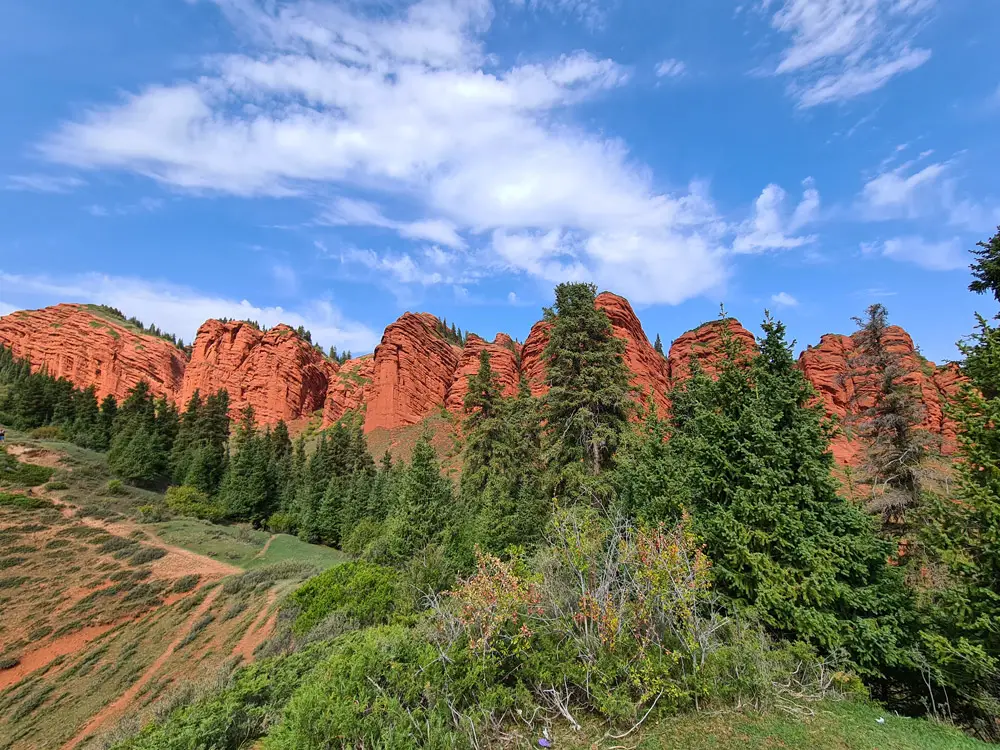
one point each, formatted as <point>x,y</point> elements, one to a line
<point>503,362</point>
<point>827,367</point>
<point>277,373</point>
<point>414,368</point>
<point>86,348</point>
<point>414,371</point>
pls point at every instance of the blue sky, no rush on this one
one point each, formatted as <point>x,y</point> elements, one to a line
<point>336,162</point>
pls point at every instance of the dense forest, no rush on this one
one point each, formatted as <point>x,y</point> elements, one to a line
<point>597,560</point>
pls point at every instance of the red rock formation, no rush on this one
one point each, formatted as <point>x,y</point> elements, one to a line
<point>532,357</point>
<point>87,348</point>
<point>503,361</point>
<point>277,373</point>
<point>704,343</point>
<point>413,370</point>
<point>349,388</point>
<point>650,373</point>
<point>827,367</point>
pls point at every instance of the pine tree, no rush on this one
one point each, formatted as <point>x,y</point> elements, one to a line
<point>885,414</point>
<point>588,402</point>
<point>87,430</point>
<point>748,458</point>
<point>483,427</point>
<point>109,411</point>
<point>658,345</point>
<point>425,503</point>
<point>962,534</point>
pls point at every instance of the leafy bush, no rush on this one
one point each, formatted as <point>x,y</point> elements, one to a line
<point>48,432</point>
<point>56,485</point>
<point>151,513</point>
<point>360,590</point>
<point>24,502</point>
<point>146,555</point>
<point>18,474</point>
<point>186,583</point>
<point>115,488</point>
<point>9,662</point>
<point>116,544</point>
<point>281,523</point>
<point>189,501</point>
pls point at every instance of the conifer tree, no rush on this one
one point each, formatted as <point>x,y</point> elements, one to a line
<point>483,427</point>
<point>425,503</point>
<point>658,345</point>
<point>885,414</point>
<point>748,458</point>
<point>587,405</point>
<point>962,534</point>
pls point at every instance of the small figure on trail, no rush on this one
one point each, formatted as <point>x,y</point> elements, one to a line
<point>3,435</point>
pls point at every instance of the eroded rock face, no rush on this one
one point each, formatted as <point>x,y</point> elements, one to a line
<point>413,370</point>
<point>349,388</point>
<point>827,367</point>
<point>503,362</point>
<point>533,357</point>
<point>86,348</point>
<point>704,344</point>
<point>277,373</point>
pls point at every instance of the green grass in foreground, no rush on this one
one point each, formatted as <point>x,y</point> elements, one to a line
<point>834,726</point>
<point>240,546</point>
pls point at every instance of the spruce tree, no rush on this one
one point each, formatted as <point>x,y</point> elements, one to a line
<point>658,345</point>
<point>425,503</point>
<point>885,414</point>
<point>483,426</point>
<point>588,402</point>
<point>962,534</point>
<point>748,457</point>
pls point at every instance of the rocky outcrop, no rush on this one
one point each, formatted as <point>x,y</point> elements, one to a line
<point>413,370</point>
<point>79,343</point>
<point>504,354</point>
<point>349,389</point>
<point>827,367</point>
<point>705,344</point>
<point>277,373</point>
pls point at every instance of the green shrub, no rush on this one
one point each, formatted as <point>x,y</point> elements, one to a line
<point>151,513</point>
<point>115,488</point>
<point>23,502</point>
<point>11,562</point>
<point>9,662</point>
<point>116,544</point>
<point>362,591</point>
<point>56,485</point>
<point>147,555</point>
<point>189,501</point>
<point>186,583</point>
<point>281,523</point>
<point>13,472</point>
<point>48,432</point>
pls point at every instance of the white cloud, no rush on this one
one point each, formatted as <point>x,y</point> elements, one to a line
<point>671,68</point>
<point>842,49</point>
<point>182,310</point>
<point>512,298</point>
<point>42,183</point>
<point>411,110</point>
<point>589,11</point>
<point>947,255</point>
<point>784,299</point>
<point>927,193</point>
<point>144,205</point>
<point>771,228</point>
<point>351,212</point>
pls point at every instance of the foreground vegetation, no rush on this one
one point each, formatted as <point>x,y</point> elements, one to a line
<point>588,577</point>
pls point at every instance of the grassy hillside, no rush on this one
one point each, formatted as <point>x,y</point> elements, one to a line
<point>106,616</point>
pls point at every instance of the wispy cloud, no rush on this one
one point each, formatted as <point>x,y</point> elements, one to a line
<point>784,299</point>
<point>946,255</point>
<point>143,206</point>
<point>182,309</point>
<point>843,49</point>
<point>42,183</point>
<point>671,68</point>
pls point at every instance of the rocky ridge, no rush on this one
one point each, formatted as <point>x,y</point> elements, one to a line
<point>413,373</point>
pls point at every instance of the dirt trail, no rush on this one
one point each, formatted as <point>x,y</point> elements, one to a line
<point>258,630</point>
<point>267,546</point>
<point>115,709</point>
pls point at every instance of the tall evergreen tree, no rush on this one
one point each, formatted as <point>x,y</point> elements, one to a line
<point>885,414</point>
<point>749,457</point>
<point>658,345</point>
<point>962,534</point>
<point>588,402</point>
<point>483,427</point>
<point>425,503</point>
